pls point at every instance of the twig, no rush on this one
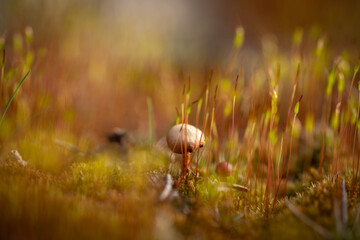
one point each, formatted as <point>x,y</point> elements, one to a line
<point>16,155</point>
<point>239,187</point>
<point>167,189</point>
<point>315,226</point>
<point>225,186</point>
<point>68,146</point>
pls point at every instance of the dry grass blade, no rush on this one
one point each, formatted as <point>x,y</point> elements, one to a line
<point>340,210</point>
<point>344,215</point>
<point>316,227</point>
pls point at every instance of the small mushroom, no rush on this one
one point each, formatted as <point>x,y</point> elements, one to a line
<point>224,169</point>
<point>118,136</point>
<point>185,139</point>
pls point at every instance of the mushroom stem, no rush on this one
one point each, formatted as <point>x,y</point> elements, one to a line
<point>188,157</point>
<point>186,163</point>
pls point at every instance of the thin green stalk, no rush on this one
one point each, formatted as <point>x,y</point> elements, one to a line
<point>150,120</point>
<point>233,119</point>
<point>12,97</point>
<point>3,66</point>
<point>2,75</point>
<point>296,111</point>
<point>354,142</point>
<point>211,128</point>
<point>286,127</point>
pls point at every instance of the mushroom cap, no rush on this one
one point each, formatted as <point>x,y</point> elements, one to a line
<point>224,169</point>
<point>118,135</point>
<point>181,133</point>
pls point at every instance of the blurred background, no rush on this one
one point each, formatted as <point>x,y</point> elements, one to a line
<point>96,62</point>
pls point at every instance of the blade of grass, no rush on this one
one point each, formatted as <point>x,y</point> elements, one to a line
<point>2,66</point>
<point>12,97</point>
<point>232,119</point>
<point>311,223</point>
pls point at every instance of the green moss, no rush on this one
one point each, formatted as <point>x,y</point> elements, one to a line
<point>70,191</point>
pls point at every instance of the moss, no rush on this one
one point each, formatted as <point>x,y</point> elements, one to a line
<point>71,191</point>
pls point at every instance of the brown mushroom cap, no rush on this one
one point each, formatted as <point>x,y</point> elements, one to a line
<point>185,133</point>
<point>224,169</point>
